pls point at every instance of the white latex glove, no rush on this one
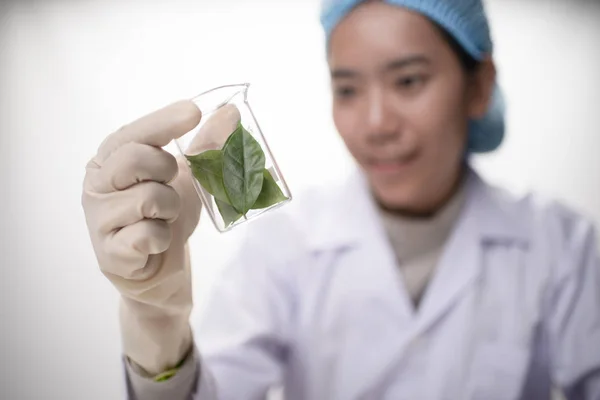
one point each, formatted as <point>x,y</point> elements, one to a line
<point>141,207</point>
<point>215,130</point>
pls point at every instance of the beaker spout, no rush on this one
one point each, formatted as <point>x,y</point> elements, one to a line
<point>213,99</point>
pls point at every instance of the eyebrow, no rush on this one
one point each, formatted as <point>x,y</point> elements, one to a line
<point>407,61</point>
<point>399,63</point>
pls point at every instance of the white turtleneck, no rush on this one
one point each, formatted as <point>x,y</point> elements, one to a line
<point>418,242</point>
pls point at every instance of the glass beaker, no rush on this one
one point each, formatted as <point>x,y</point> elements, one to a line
<point>235,173</point>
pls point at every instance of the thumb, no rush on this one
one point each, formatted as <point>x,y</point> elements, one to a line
<point>215,130</point>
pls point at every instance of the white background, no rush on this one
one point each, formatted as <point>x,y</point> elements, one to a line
<point>72,72</point>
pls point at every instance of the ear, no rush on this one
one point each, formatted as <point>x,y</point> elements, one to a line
<point>481,88</point>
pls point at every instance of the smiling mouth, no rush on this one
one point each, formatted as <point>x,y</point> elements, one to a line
<point>392,165</point>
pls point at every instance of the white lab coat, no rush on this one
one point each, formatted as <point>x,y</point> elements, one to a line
<point>315,301</point>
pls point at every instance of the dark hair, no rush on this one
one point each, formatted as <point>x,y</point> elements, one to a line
<point>468,62</point>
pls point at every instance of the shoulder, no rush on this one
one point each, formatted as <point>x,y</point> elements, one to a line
<point>556,222</point>
<point>566,236</point>
<point>546,222</point>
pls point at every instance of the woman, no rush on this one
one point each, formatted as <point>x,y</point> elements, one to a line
<point>413,280</point>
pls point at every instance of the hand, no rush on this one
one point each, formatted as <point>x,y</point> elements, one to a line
<point>141,207</point>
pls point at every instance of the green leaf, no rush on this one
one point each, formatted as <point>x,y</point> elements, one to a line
<point>207,167</point>
<point>270,194</point>
<point>239,128</point>
<point>228,213</point>
<point>243,165</point>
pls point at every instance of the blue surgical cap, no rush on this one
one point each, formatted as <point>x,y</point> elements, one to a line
<point>466,21</point>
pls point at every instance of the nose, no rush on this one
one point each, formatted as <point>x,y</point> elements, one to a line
<point>381,119</point>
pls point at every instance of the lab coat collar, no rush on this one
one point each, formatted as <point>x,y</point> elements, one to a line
<point>349,213</point>
<point>352,221</point>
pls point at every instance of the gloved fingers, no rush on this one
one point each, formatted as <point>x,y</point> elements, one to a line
<point>213,134</point>
<point>145,200</point>
<point>129,248</point>
<point>155,129</point>
<point>191,205</point>
<point>130,164</point>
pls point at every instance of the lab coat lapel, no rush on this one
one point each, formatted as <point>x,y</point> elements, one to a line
<point>385,317</point>
<point>484,217</point>
<point>376,307</point>
<point>374,262</point>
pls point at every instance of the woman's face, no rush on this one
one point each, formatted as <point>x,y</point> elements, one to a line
<point>401,104</point>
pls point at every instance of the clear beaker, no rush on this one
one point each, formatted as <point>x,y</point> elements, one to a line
<point>235,173</point>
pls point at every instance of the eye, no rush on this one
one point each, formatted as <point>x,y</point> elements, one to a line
<point>345,92</point>
<point>410,82</point>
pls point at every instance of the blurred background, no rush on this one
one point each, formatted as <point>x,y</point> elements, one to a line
<point>71,72</point>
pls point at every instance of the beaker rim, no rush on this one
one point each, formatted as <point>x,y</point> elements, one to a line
<point>244,85</point>
<point>243,88</point>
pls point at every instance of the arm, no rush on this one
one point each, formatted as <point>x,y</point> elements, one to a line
<point>573,325</point>
<point>141,386</point>
<point>186,384</point>
<point>141,207</point>
<point>157,338</point>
